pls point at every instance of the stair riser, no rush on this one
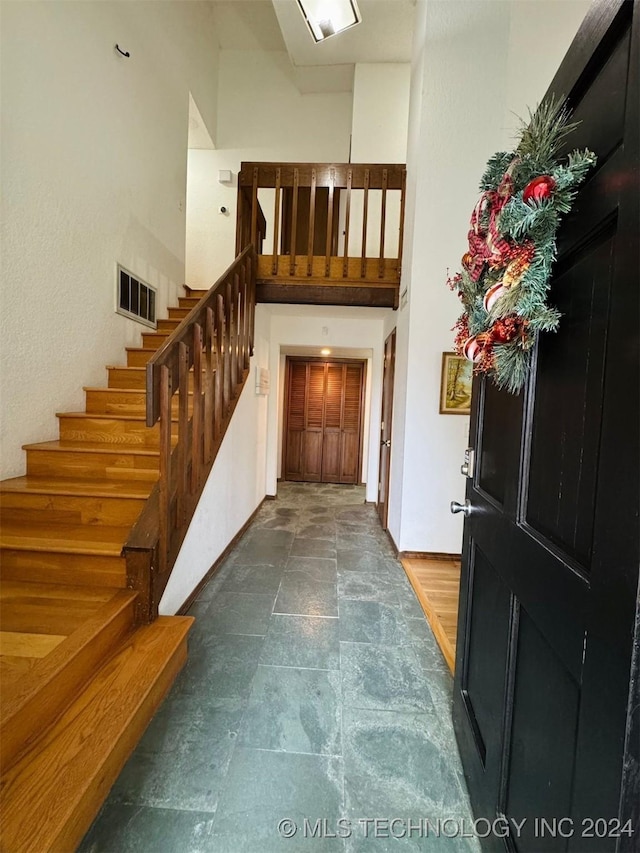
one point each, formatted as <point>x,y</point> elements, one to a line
<point>69,509</point>
<point>53,567</point>
<point>178,313</point>
<point>154,341</point>
<point>169,325</point>
<point>188,302</point>
<point>66,463</point>
<point>109,431</point>
<point>111,401</point>
<point>138,358</point>
<point>19,731</point>
<point>120,378</point>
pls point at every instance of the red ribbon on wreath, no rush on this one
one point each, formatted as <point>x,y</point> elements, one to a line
<point>486,244</point>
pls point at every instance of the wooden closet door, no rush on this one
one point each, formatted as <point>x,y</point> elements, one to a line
<point>351,423</point>
<point>333,406</point>
<point>312,450</point>
<point>323,421</point>
<point>295,420</point>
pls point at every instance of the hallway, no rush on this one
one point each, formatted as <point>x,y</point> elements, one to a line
<point>314,690</point>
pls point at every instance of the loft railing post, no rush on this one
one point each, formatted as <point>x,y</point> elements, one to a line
<point>312,222</point>
<point>383,220</point>
<point>329,245</point>
<point>240,218</point>
<point>347,215</point>
<point>254,208</point>
<point>276,223</point>
<point>365,212</point>
<point>294,222</point>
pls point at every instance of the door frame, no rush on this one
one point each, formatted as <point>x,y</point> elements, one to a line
<point>323,359</point>
<point>387,428</point>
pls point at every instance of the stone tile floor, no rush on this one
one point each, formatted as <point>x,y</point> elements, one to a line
<point>314,694</point>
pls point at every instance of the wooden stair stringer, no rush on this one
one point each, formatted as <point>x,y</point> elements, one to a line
<point>65,780</point>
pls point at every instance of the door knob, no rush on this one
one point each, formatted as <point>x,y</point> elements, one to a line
<point>386,443</point>
<point>458,507</point>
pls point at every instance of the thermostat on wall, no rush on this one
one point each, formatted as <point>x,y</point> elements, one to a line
<point>262,380</point>
<point>224,176</point>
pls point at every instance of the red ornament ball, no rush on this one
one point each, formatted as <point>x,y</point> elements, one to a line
<point>539,188</point>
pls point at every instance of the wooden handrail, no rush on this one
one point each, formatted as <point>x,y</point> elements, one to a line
<point>205,363</point>
<point>332,223</point>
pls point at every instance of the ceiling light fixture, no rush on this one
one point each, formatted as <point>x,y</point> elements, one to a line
<point>327,18</point>
<point>325,352</point>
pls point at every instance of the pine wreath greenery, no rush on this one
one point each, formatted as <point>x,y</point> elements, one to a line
<point>504,280</point>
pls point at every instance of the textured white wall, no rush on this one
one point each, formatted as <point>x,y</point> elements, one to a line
<point>378,135</point>
<point>474,64</point>
<point>235,487</point>
<point>94,150</point>
<point>262,116</point>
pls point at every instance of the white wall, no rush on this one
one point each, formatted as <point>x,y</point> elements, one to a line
<point>380,112</point>
<point>262,116</point>
<point>473,64</point>
<point>378,135</point>
<point>94,150</point>
<point>336,328</point>
<point>235,487</point>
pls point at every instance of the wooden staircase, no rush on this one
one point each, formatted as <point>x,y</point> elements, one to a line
<point>80,676</point>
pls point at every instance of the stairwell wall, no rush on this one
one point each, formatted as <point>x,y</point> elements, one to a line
<point>262,117</point>
<point>94,157</point>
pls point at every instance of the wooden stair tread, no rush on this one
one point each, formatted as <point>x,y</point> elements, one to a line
<point>92,488</point>
<point>50,796</point>
<point>13,669</point>
<point>39,608</point>
<point>28,645</point>
<point>67,538</point>
<point>93,447</point>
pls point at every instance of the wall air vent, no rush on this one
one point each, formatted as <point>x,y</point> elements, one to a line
<point>135,299</point>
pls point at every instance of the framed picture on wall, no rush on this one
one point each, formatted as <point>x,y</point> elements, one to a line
<point>455,385</point>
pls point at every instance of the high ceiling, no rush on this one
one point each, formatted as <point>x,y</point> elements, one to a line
<point>385,35</point>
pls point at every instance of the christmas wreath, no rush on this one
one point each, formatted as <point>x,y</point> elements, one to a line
<point>504,279</point>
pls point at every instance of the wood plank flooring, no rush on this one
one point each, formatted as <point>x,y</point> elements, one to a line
<point>436,583</point>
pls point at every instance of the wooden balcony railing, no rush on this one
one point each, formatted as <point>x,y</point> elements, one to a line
<point>193,384</point>
<point>334,230</point>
